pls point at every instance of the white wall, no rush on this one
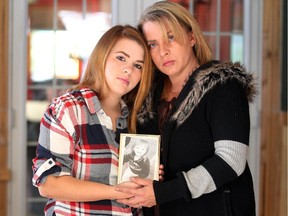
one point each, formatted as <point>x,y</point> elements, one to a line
<point>253,61</point>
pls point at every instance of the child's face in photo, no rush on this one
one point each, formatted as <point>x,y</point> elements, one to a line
<point>140,149</point>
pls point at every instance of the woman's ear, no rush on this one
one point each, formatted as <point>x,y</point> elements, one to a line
<point>192,38</point>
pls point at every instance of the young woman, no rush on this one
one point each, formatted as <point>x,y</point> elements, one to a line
<point>201,109</point>
<point>77,155</point>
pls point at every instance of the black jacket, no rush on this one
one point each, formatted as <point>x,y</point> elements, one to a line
<point>204,143</point>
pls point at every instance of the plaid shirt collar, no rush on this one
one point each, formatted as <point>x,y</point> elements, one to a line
<point>94,104</point>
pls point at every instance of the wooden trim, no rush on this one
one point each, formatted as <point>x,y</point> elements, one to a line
<point>283,192</point>
<point>4,173</point>
<point>273,145</point>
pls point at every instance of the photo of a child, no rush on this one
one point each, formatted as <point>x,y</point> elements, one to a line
<point>136,162</point>
<point>139,157</point>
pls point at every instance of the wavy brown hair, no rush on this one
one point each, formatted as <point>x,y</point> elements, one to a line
<point>94,76</point>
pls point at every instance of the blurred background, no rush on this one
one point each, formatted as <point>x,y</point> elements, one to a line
<point>44,48</point>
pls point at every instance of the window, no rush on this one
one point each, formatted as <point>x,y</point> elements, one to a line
<point>61,36</point>
<point>45,19</point>
<point>222,24</point>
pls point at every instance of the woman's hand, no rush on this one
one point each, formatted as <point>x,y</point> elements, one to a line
<point>129,184</point>
<point>141,196</point>
<point>161,172</point>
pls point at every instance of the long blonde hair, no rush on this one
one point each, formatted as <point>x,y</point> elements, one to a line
<point>94,76</point>
<point>177,17</point>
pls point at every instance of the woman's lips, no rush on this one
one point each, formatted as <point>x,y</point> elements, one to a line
<point>168,63</point>
<point>125,81</point>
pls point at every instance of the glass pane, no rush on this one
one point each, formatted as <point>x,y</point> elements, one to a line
<point>211,39</point>
<point>184,3</point>
<point>82,32</point>
<point>231,15</point>
<point>41,14</point>
<point>205,12</point>
<point>67,57</point>
<point>226,37</point>
<point>35,204</point>
<point>54,58</point>
<point>40,93</point>
<point>231,48</point>
<point>36,104</point>
<point>41,67</point>
<point>237,44</point>
<point>225,48</point>
<point>61,91</point>
<point>35,208</point>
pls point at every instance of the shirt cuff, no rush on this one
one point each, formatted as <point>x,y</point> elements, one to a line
<point>42,170</point>
<point>171,190</point>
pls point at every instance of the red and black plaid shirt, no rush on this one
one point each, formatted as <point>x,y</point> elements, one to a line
<point>76,139</point>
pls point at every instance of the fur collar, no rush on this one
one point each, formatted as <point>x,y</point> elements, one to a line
<point>205,80</point>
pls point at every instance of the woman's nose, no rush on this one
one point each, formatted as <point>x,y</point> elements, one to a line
<point>127,70</point>
<point>163,50</point>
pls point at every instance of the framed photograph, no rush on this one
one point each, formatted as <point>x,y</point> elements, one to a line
<point>139,155</point>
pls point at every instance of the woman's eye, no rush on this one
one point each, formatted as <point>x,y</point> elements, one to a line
<point>152,45</point>
<point>121,58</point>
<point>138,66</point>
<point>171,37</point>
